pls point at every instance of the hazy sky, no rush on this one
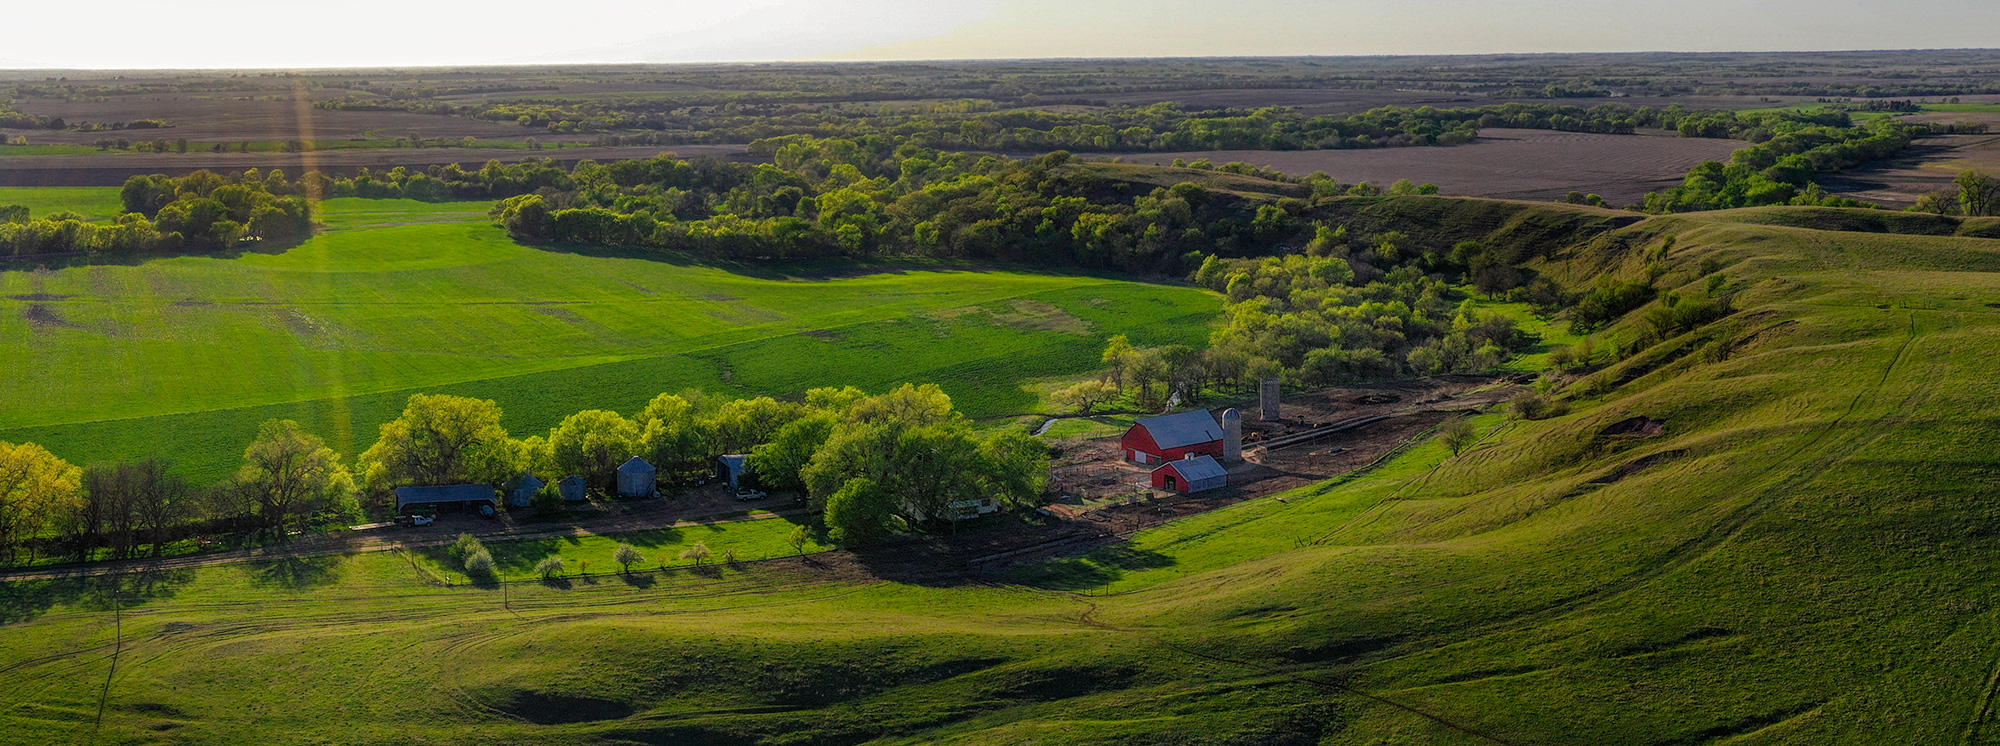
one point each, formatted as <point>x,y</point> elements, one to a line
<point>260,33</point>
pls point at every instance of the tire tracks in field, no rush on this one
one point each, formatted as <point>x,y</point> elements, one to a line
<point>1831,452</point>
<point>1088,618</point>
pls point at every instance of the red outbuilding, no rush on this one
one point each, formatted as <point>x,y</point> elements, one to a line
<point>1191,474</point>
<point>1171,437</point>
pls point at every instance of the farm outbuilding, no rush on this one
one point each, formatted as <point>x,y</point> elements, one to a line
<point>1171,437</point>
<point>521,489</point>
<point>637,478</point>
<point>1191,474</point>
<point>572,489</point>
<point>451,496</point>
<point>735,469</point>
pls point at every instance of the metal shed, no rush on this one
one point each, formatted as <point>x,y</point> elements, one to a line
<point>444,496</point>
<point>637,478</point>
<point>521,489</point>
<point>735,469</point>
<point>572,488</point>
<point>1191,474</point>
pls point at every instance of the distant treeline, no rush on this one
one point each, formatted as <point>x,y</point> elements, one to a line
<point>979,124</point>
<point>873,197</point>
<point>11,118</point>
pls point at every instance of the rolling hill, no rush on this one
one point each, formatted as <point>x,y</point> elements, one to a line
<point>1776,528</point>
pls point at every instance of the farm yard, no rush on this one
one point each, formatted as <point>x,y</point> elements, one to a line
<point>187,355</point>
<point>1502,163</point>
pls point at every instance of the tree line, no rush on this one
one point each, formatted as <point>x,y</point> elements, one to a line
<point>202,211</point>
<point>1780,170</point>
<point>896,461</point>
<point>878,197</point>
<point>986,125</point>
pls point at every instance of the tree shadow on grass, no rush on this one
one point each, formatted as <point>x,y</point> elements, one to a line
<point>804,270</point>
<point>24,600</point>
<point>651,539</point>
<point>639,580</point>
<point>1094,570</point>
<point>557,582</point>
<point>296,573</point>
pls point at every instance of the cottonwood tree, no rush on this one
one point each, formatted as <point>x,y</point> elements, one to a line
<point>736,426</point>
<point>289,474</point>
<point>440,439</point>
<point>779,462</point>
<point>933,470</point>
<point>1086,396</point>
<point>35,487</point>
<point>1978,193</point>
<point>1015,468</point>
<point>592,444</point>
<point>858,513</point>
<point>667,433</point>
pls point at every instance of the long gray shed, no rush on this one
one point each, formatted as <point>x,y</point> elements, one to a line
<point>444,496</point>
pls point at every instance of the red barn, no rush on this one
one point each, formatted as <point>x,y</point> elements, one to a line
<point>1191,474</point>
<point>1171,437</point>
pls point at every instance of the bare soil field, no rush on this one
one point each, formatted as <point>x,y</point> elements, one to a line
<point>1503,163</point>
<point>216,118</point>
<point>1928,166</point>
<point>1326,101</point>
<point>112,169</point>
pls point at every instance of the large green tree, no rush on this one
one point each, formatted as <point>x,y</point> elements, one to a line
<point>440,439</point>
<point>290,475</point>
<point>592,444</point>
<point>858,512</point>
<point>35,486</point>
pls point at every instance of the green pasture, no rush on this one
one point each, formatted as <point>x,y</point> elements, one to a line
<point>96,203</point>
<point>50,149</point>
<point>185,355</point>
<point>1804,553</point>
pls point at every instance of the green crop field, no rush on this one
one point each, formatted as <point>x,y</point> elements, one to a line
<point>185,355</point>
<point>96,203</point>
<point>1804,553</point>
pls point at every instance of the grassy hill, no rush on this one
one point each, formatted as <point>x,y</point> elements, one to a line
<point>1805,553</point>
<point>186,355</point>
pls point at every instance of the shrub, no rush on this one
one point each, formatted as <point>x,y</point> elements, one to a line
<point>627,556</point>
<point>479,564</point>
<point>550,566</point>
<point>1535,405</point>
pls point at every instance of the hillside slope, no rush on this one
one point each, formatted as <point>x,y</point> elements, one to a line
<point>1805,552</point>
